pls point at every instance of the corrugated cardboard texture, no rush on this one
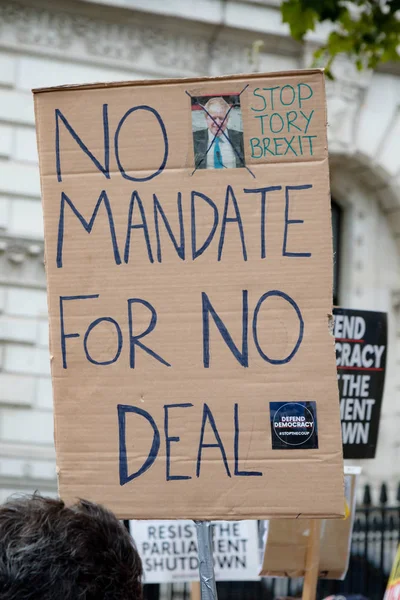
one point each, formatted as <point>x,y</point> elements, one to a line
<point>287,540</point>
<point>100,144</point>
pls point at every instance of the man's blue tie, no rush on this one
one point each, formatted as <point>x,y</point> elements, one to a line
<point>218,164</point>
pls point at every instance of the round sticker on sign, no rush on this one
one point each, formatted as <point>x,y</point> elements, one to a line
<point>293,425</point>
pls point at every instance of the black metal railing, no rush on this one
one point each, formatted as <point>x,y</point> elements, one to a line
<point>376,537</point>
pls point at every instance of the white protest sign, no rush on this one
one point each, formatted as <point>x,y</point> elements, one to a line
<point>169,550</point>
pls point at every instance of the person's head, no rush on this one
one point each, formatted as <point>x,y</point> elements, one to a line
<point>51,552</point>
<point>217,108</point>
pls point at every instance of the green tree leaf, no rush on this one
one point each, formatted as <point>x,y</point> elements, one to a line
<point>300,19</point>
<point>366,30</point>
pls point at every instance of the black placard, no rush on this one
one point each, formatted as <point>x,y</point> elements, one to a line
<point>361,345</point>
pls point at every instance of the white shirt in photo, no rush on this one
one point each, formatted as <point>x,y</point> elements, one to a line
<point>227,153</point>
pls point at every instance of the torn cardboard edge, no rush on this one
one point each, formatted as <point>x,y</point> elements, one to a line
<point>177,80</point>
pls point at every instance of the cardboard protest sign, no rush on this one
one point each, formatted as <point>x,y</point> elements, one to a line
<point>361,343</point>
<point>169,550</point>
<point>189,267</point>
<point>286,541</point>
<point>393,586</point>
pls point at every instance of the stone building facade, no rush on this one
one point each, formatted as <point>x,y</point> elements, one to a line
<point>55,42</point>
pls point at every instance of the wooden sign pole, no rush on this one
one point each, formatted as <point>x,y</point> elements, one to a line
<point>195,591</point>
<point>312,561</point>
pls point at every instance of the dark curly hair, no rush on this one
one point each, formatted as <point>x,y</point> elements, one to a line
<point>51,552</point>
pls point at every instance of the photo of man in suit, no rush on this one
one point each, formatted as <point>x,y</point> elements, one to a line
<point>218,146</point>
